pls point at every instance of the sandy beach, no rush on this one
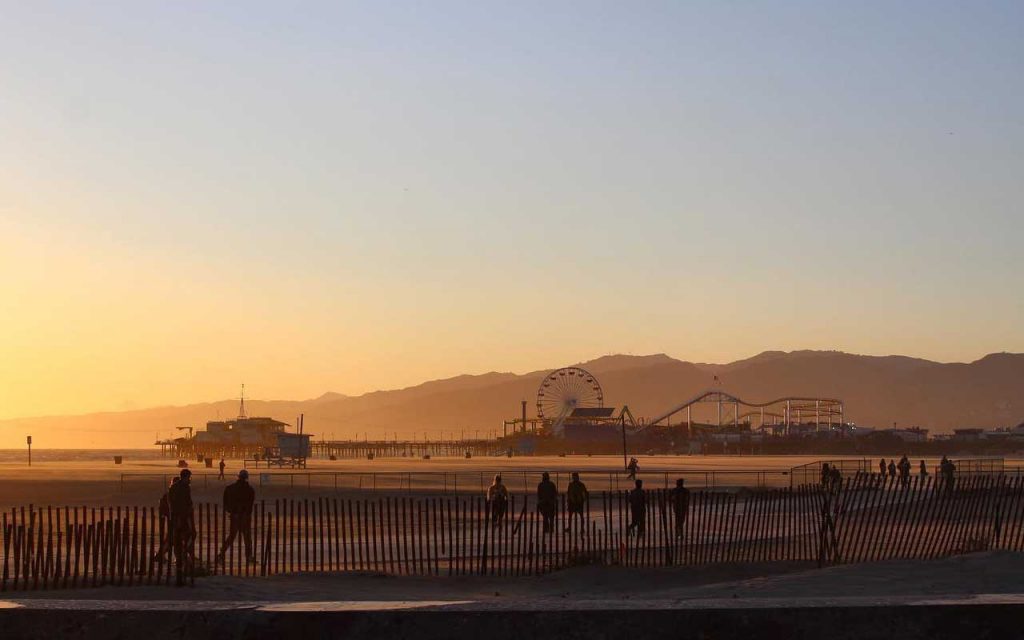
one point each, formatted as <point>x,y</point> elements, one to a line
<point>141,481</point>
<point>980,573</point>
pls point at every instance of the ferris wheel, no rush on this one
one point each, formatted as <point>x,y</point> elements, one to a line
<point>566,389</point>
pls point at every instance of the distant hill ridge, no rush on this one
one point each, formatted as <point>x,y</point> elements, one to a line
<point>877,390</point>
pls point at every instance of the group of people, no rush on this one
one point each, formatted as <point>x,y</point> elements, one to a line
<point>576,499</point>
<point>831,476</point>
<point>176,509</point>
<point>679,501</point>
<point>900,470</point>
<point>947,472</point>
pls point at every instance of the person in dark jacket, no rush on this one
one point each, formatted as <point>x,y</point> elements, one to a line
<point>183,527</point>
<point>632,468</point>
<point>547,501</point>
<point>904,469</point>
<point>638,509</point>
<point>239,497</point>
<point>835,478</point>
<point>576,497</point>
<point>680,505</point>
<point>947,473</point>
<point>220,476</point>
<point>497,498</point>
<point>164,509</point>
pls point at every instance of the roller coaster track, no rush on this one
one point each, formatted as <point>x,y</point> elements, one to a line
<point>802,405</point>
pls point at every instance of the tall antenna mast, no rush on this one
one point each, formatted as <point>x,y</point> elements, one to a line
<point>241,404</point>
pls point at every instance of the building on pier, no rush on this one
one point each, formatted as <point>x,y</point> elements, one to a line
<point>243,437</point>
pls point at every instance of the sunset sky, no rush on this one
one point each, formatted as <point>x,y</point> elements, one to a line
<point>350,196</point>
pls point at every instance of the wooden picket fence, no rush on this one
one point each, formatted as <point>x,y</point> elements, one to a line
<point>865,518</point>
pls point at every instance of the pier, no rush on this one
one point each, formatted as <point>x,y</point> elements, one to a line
<point>405,448</point>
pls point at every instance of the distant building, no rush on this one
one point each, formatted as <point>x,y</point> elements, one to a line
<point>803,430</point>
<point>908,434</point>
<point>858,431</point>
<point>294,445</point>
<point>240,437</point>
<point>968,435</point>
<point>734,435</point>
<point>592,425</point>
<point>913,434</point>
<point>582,434</point>
<point>1006,433</point>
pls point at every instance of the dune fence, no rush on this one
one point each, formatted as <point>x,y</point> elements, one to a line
<point>861,519</point>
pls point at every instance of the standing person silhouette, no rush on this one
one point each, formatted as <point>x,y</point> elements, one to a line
<point>680,505</point>
<point>576,497</point>
<point>239,497</point>
<point>638,509</point>
<point>947,470</point>
<point>835,478</point>
<point>221,466</point>
<point>497,498</point>
<point>183,527</point>
<point>164,510</point>
<point>904,469</point>
<point>547,501</point>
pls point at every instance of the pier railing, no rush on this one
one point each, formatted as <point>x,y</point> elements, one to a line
<point>865,518</point>
<point>810,473</point>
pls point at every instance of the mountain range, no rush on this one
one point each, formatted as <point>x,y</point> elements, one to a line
<point>876,391</point>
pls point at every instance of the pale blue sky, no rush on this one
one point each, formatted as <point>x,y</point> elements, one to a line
<point>358,195</point>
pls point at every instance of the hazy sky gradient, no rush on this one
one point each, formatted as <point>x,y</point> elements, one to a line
<point>309,196</point>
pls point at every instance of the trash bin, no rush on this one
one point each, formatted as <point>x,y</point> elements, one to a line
<point>209,462</point>
<point>117,459</point>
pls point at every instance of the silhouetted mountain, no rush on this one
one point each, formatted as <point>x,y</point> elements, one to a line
<point>619,362</point>
<point>876,390</point>
<point>329,397</point>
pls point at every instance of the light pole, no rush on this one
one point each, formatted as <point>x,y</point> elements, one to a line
<point>624,463</point>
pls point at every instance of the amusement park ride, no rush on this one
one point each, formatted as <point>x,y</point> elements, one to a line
<point>781,412</point>
<point>572,397</point>
<point>569,406</point>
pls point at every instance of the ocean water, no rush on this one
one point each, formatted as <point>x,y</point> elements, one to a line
<point>71,455</point>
